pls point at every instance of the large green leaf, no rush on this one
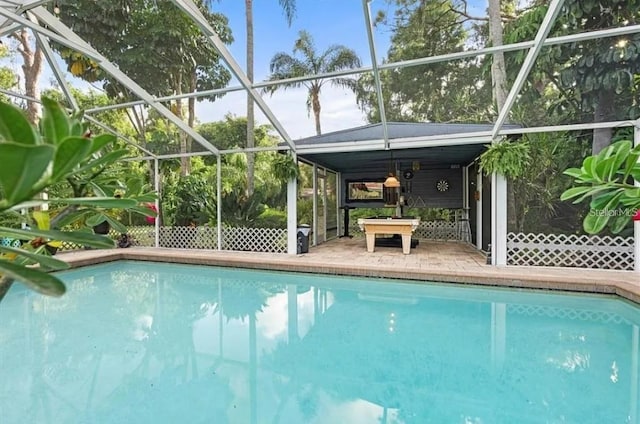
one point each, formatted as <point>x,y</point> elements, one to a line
<point>573,172</point>
<point>100,141</point>
<point>22,167</point>
<point>574,192</point>
<point>55,123</point>
<point>71,151</point>
<point>15,127</point>
<point>45,261</point>
<point>119,227</point>
<point>622,149</point>
<point>43,219</point>
<point>619,223</point>
<point>595,221</point>
<point>85,239</point>
<point>109,158</point>
<point>71,217</point>
<point>98,202</point>
<point>35,279</point>
<point>631,163</point>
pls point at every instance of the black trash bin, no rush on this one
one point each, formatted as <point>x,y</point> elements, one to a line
<point>303,238</point>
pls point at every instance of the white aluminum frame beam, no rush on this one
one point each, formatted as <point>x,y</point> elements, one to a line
<point>376,73</point>
<point>194,13</point>
<point>611,32</point>
<point>195,94</point>
<point>57,72</point>
<point>527,64</point>
<point>636,224</point>
<point>90,119</point>
<point>66,37</point>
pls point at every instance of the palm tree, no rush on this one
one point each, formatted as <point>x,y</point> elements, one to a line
<point>337,57</point>
<point>289,8</point>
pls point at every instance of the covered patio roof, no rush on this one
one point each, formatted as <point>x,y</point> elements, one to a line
<point>434,145</point>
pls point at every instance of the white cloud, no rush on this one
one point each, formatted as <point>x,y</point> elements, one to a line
<point>339,110</point>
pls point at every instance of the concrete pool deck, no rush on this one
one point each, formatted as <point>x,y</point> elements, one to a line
<point>430,261</point>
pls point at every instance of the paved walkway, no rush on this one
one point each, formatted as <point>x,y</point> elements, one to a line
<point>430,261</point>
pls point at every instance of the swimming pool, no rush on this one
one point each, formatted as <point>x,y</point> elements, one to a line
<point>164,343</point>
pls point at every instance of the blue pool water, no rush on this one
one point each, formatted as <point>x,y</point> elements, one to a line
<point>160,343</point>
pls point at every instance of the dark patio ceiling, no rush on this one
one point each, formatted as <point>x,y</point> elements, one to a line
<point>353,149</point>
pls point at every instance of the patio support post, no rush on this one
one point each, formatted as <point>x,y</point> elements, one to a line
<point>498,220</point>
<point>219,202</point>
<point>292,214</point>
<point>156,187</point>
<point>314,224</point>
<point>479,210</point>
<point>636,224</point>
<point>465,187</point>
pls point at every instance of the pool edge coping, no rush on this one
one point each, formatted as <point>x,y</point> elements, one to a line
<point>540,278</point>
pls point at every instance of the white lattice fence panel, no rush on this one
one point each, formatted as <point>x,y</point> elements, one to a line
<point>272,240</point>
<point>189,237</point>
<point>570,250</point>
<point>141,236</point>
<point>437,230</point>
<point>430,230</point>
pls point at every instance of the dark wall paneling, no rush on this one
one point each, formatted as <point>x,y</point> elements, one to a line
<point>422,189</point>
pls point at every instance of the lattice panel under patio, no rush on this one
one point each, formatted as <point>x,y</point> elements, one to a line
<point>570,251</point>
<point>433,230</point>
<point>273,240</point>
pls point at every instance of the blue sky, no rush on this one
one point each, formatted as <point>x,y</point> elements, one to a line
<point>329,22</point>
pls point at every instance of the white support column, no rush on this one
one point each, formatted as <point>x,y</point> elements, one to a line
<point>219,202</point>
<point>498,220</point>
<point>636,224</point>
<point>338,197</point>
<point>479,210</point>
<point>292,215</point>
<point>156,187</point>
<point>314,224</point>
<point>465,187</point>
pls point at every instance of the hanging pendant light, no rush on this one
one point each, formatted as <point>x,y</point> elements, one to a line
<point>391,181</point>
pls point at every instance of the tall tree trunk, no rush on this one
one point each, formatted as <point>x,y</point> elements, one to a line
<point>315,104</point>
<point>32,69</point>
<point>500,93</point>
<point>250,112</point>
<point>185,162</point>
<point>191,105</point>
<point>498,68</point>
<point>603,113</point>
